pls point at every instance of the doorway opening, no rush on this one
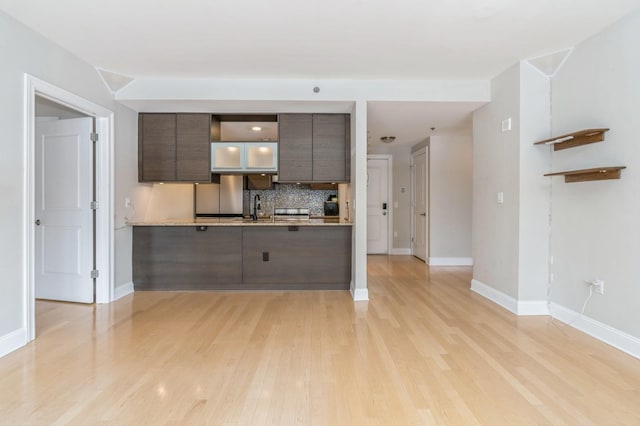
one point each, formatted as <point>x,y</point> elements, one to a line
<point>64,203</point>
<point>420,204</point>
<point>47,97</point>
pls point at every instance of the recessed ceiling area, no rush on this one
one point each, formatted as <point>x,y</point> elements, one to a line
<point>248,131</point>
<point>411,122</point>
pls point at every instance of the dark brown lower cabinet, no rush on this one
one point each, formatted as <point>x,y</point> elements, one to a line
<point>183,258</point>
<point>236,257</point>
<point>297,257</point>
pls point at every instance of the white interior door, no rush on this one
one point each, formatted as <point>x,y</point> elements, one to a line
<point>420,205</point>
<point>64,253</point>
<point>377,206</point>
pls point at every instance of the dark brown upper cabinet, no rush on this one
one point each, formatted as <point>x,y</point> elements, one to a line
<point>295,139</point>
<point>314,147</point>
<point>174,147</point>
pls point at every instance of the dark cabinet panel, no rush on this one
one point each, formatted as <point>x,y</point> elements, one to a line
<point>329,146</point>
<point>183,258</point>
<point>174,147</point>
<point>193,147</point>
<point>295,152</point>
<point>157,147</point>
<point>303,257</point>
<point>314,147</point>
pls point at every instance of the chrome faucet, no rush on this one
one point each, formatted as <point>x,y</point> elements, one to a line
<point>256,207</point>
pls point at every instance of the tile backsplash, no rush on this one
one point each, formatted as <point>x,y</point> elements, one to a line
<point>288,195</point>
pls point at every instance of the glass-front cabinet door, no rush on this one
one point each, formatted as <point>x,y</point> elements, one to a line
<point>262,156</point>
<point>227,156</point>
<point>247,157</point>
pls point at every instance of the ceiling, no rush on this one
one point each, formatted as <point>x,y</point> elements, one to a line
<point>411,122</point>
<point>362,39</point>
<point>322,39</point>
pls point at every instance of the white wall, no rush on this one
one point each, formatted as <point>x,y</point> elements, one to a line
<point>511,240</point>
<point>24,51</point>
<point>534,209</point>
<point>496,160</point>
<point>126,186</point>
<point>596,225</point>
<point>450,194</point>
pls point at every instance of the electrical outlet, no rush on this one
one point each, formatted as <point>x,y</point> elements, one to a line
<point>127,202</point>
<point>598,286</point>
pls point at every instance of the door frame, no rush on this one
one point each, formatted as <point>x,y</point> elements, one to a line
<point>424,150</point>
<point>390,204</point>
<point>104,171</point>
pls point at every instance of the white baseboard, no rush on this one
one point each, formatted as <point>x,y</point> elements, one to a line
<point>360,294</point>
<point>603,332</point>
<point>520,308</point>
<point>122,290</point>
<point>498,297</point>
<point>450,261</point>
<point>533,307</point>
<point>401,252</point>
<point>12,341</point>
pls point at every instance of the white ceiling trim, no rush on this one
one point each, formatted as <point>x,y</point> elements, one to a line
<point>550,64</point>
<point>114,81</point>
<point>303,90</point>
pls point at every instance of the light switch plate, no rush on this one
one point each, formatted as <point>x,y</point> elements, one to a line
<point>506,125</point>
<point>500,197</point>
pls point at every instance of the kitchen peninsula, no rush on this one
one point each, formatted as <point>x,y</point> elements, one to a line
<point>215,246</point>
<point>239,254</point>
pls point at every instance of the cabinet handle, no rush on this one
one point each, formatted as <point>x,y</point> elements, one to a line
<point>293,228</point>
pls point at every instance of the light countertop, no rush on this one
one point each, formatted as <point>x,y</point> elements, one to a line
<point>231,221</point>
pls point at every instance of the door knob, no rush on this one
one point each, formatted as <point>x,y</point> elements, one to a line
<point>423,214</point>
<point>38,222</point>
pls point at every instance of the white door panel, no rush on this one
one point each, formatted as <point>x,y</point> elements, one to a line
<point>64,218</point>
<point>420,206</point>
<point>377,216</point>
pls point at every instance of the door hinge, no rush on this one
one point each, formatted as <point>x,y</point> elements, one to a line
<point>94,137</point>
<point>94,205</point>
<point>95,274</point>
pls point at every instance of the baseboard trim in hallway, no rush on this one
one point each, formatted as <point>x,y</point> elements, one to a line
<point>12,341</point>
<point>450,261</point>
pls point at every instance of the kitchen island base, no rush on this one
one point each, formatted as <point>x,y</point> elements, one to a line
<point>241,258</point>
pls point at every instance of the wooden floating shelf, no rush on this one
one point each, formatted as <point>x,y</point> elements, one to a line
<point>570,140</point>
<point>598,173</point>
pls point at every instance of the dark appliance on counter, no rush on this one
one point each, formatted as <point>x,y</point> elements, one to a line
<point>331,208</point>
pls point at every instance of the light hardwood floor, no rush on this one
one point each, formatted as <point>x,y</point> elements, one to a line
<point>423,350</point>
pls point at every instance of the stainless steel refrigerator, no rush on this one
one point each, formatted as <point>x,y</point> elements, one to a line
<point>222,199</point>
